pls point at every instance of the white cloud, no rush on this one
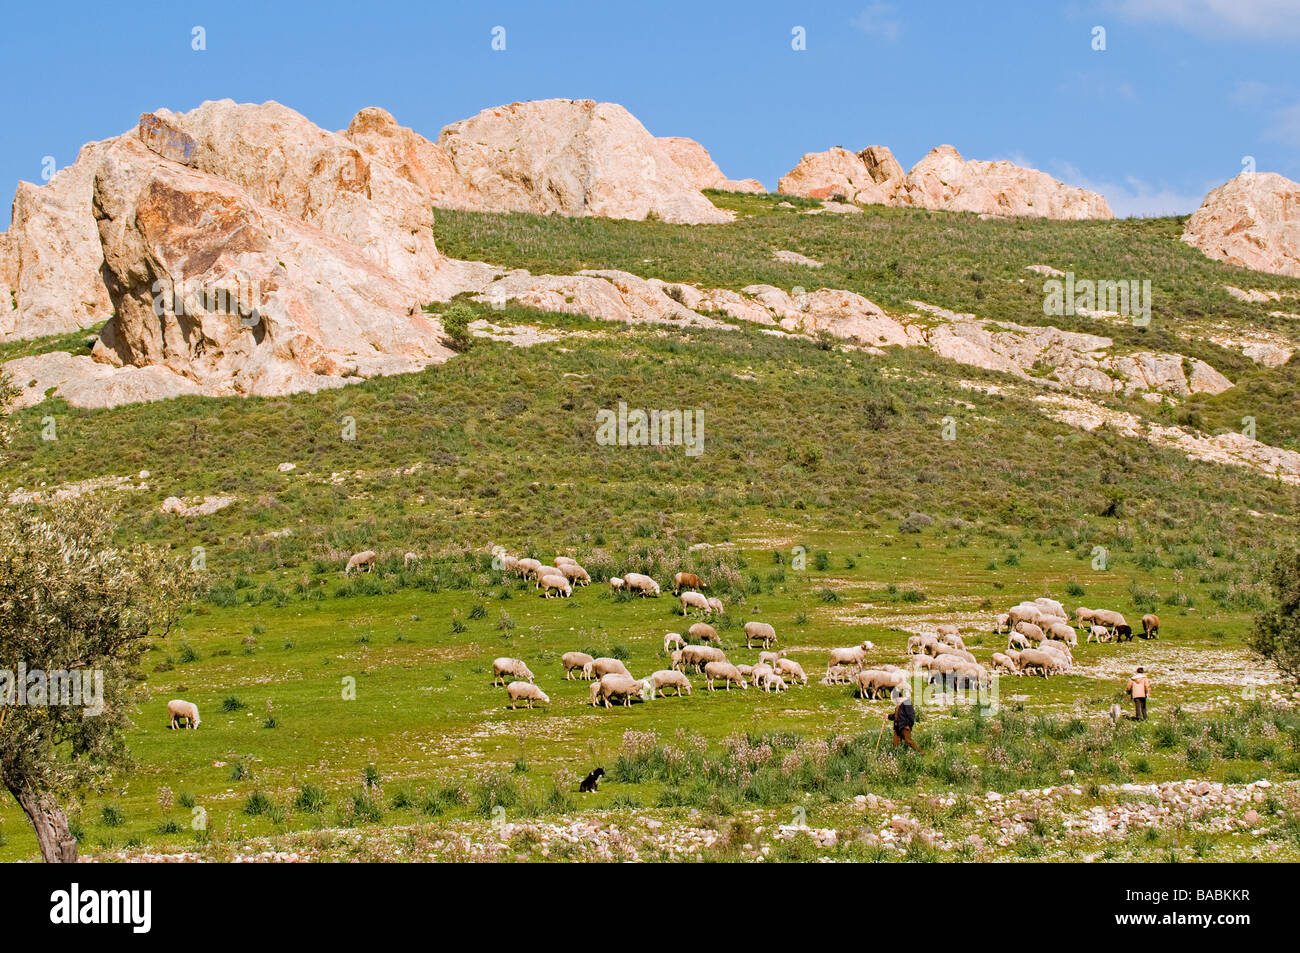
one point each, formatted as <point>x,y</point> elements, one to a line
<point>880,19</point>
<point>1256,19</point>
<point>1132,196</point>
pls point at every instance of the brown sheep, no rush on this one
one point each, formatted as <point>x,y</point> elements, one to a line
<point>687,580</point>
<point>1150,626</point>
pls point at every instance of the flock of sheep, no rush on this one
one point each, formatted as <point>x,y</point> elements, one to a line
<point>1041,641</point>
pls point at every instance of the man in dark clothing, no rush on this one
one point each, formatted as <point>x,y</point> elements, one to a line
<point>904,717</point>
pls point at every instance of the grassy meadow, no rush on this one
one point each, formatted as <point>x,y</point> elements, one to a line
<point>333,706</point>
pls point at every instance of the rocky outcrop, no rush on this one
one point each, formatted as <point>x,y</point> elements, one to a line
<point>50,257</point>
<point>241,298</point>
<point>870,177</point>
<point>572,157</point>
<point>940,181</point>
<point>702,172</point>
<point>1252,221</point>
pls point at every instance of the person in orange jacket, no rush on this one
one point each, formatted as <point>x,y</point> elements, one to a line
<point>1139,687</point>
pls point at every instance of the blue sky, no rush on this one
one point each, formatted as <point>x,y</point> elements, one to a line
<point>1184,90</point>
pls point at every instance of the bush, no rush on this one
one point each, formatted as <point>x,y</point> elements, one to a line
<point>456,321</point>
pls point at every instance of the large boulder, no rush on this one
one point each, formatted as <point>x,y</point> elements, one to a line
<point>50,257</point>
<point>943,180</point>
<point>572,157</point>
<point>870,177</point>
<point>1252,221</point>
<point>702,172</point>
<point>239,297</point>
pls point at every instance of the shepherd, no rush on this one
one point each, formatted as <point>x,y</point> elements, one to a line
<point>1139,687</point>
<point>904,717</point>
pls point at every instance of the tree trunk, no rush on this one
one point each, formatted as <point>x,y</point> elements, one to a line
<point>58,846</point>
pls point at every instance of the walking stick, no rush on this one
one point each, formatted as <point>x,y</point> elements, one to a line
<point>880,737</point>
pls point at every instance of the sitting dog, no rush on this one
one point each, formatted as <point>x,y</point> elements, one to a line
<point>589,783</point>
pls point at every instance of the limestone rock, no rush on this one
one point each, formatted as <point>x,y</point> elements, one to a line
<point>943,180</point>
<point>324,311</point>
<point>871,177</point>
<point>700,169</point>
<point>572,157</point>
<point>1252,221</point>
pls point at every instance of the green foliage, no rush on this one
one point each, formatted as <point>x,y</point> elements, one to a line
<point>1276,635</point>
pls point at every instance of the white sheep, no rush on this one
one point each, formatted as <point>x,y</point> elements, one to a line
<point>703,632</point>
<point>696,600</point>
<point>615,685</point>
<point>504,668</point>
<point>725,671</point>
<point>699,655</point>
<point>576,662</point>
<point>527,566</point>
<point>668,678</point>
<point>542,572</point>
<point>1063,632</point>
<point>761,632</point>
<point>639,582</point>
<point>409,560</point>
<point>1004,663</point>
<point>1001,621</point>
<point>179,709</point>
<point>770,658</point>
<point>526,691</point>
<point>1050,605</point>
<point>1098,633</point>
<point>1030,631</point>
<point>1044,663</point>
<point>673,640</point>
<point>575,574</point>
<point>616,583</point>
<point>792,669</point>
<point>760,671</point>
<point>715,605</point>
<point>365,559</point>
<point>774,683</point>
<point>1017,641</point>
<point>603,666</point>
<point>873,680</point>
<point>564,561</point>
<point>853,657</point>
<point>1083,617</point>
<point>552,583</point>
<point>1023,613</point>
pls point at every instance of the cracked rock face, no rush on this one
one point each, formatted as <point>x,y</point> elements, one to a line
<point>1252,221</point>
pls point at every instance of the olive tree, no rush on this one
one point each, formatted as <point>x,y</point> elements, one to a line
<point>72,602</point>
<point>1277,629</point>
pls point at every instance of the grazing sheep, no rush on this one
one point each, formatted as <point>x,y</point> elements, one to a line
<point>527,566</point>
<point>746,670</point>
<point>960,653</point>
<point>668,678</point>
<point>676,661</point>
<point>1046,621</point>
<point>673,640</point>
<point>179,710</point>
<point>564,561</point>
<point>509,667</point>
<point>760,631</point>
<point>509,563</point>
<point>1115,713</point>
<point>365,559</point>
<point>1050,606</point>
<point>542,572</point>
<point>552,583</point>
<point>614,685</point>
<point>1061,651</point>
<point>638,582</point>
<point>1017,641</point>
<point>616,583</point>
<point>526,691</point>
<point>874,680</point>
<point>770,658</point>
<point>1030,631</point>
<point>703,632</point>
<point>1123,631</point>
<point>774,683</point>
<point>925,644</point>
<point>854,657</point>
<point>1109,618</point>
<point>575,574</point>
<point>791,669</point>
<point>760,671</point>
<point>576,662</point>
<point>1004,663</point>
<point>1001,621</point>
<point>694,599</point>
<point>687,579</point>
<point>725,671</point>
<point>600,667</point>
<point>1063,632</point>
<point>716,606</point>
<point>952,639</point>
<point>1018,614</point>
<point>699,655</point>
<point>1083,617</point>
<point>1098,633</point>
<point>1043,662</point>
<point>409,560</point>
<point>1150,626</point>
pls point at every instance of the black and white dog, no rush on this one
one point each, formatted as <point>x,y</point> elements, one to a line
<point>589,783</point>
